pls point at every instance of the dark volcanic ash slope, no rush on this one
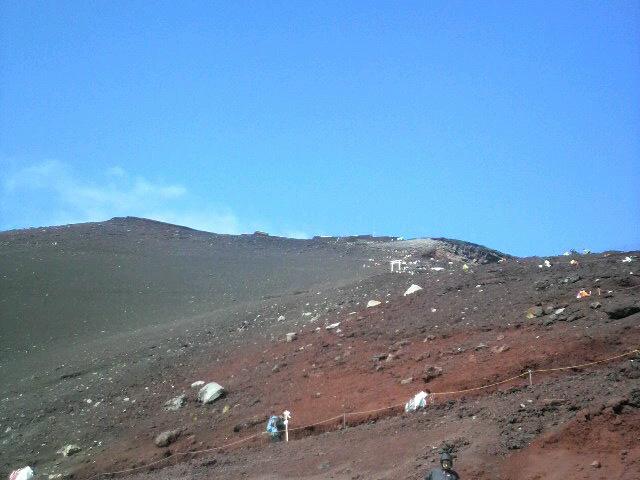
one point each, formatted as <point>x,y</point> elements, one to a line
<point>92,311</point>
<point>78,283</point>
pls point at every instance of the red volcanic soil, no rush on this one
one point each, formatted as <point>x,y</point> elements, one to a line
<point>470,323</point>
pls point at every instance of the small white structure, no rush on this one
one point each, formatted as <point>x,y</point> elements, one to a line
<point>396,266</point>
<point>290,337</point>
<point>286,415</point>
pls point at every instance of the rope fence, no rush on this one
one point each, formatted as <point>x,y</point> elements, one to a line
<point>342,418</point>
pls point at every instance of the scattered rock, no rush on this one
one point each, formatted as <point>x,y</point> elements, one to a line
<point>431,372</point>
<point>595,464</point>
<point>481,346</point>
<point>166,438</point>
<point>595,305</point>
<point>572,278</point>
<point>575,316</point>
<point>549,309</point>
<point>617,403</point>
<point>500,349</point>
<point>332,326</point>
<point>621,310</point>
<point>69,450</point>
<point>536,311</point>
<point>380,357</point>
<point>175,403</point>
<point>373,303</point>
<point>210,392</point>
<point>406,381</point>
<point>197,384</point>
<point>542,284</point>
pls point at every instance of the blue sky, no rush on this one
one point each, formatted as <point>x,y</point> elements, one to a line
<point>511,124</point>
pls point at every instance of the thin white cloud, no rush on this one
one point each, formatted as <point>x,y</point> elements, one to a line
<point>51,193</point>
<point>86,199</point>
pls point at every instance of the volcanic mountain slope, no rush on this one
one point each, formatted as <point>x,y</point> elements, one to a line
<point>100,299</point>
<point>467,327</point>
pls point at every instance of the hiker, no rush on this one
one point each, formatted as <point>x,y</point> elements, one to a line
<point>445,472</point>
<point>275,427</point>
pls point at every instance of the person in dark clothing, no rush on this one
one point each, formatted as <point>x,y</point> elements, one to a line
<point>445,472</point>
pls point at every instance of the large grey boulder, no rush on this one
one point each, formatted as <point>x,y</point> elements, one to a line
<point>210,392</point>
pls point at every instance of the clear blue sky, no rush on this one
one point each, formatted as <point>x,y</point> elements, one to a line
<point>511,124</point>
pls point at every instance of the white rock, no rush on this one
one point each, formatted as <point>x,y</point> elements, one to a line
<point>412,289</point>
<point>197,384</point>
<point>332,326</point>
<point>210,392</point>
<point>437,269</point>
<point>373,303</point>
<point>627,259</point>
<point>281,318</point>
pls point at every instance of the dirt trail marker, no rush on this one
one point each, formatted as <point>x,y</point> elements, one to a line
<point>287,415</point>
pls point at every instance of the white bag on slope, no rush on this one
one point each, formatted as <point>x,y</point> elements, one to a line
<point>22,474</point>
<point>419,400</point>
